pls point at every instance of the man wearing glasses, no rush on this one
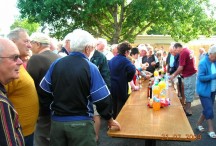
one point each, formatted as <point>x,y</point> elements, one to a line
<point>10,130</point>
<point>22,92</point>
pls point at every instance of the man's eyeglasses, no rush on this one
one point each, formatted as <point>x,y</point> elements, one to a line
<point>14,57</point>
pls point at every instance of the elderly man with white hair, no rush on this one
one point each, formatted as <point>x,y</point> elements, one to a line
<point>65,48</point>
<point>142,52</point>
<point>74,84</point>
<point>114,49</point>
<point>102,47</point>
<point>206,89</point>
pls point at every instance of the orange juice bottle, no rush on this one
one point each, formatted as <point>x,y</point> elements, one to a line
<point>156,106</point>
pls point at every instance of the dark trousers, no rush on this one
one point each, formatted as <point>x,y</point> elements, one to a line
<point>29,140</point>
<point>118,103</point>
<point>74,133</point>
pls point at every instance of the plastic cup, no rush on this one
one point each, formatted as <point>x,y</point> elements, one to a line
<point>156,106</point>
<point>156,73</point>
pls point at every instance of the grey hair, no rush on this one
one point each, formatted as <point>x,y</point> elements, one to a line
<point>14,34</point>
<point>212,50</point>
<point>80,39</point>
<point>102,41</point>
<point>114,46</point>
<point>54,42</point>
<point>66,38</point>
<point>142,47</point>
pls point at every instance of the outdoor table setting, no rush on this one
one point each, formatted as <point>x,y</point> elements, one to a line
<point>138,119</point>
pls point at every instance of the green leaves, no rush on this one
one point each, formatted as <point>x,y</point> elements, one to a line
<point>24,23</point>
<point>119,20</point>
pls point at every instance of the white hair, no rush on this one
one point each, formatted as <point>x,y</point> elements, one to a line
<point>212,50</point>
<point>54,42</point>
<point>113,46</point>
<point>66,38</point>
<point>102,41</point>
<point>142,47</point>
<point>80,39</point>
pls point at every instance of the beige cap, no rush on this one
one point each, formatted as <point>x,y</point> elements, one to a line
<point>40,37</point>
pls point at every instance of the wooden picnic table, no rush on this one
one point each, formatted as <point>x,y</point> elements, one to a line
<point>137,120</point>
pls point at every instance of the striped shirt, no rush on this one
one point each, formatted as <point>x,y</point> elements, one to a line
<point>10,130</point>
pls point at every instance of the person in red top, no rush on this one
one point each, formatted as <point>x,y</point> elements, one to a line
<point>188,71</point>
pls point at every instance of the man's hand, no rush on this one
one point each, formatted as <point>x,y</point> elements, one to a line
<point>153,63</point>
<point>114,125</point>
<point>143,67</point>
<point>171,77</point>
<point>148,77</point>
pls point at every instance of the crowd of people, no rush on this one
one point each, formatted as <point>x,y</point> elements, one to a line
<point>56,95</point>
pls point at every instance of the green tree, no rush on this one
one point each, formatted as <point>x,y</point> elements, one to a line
<point>119,20</point>
<point>24,23</point>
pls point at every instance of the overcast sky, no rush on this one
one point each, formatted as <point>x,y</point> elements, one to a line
<point>8,11</point>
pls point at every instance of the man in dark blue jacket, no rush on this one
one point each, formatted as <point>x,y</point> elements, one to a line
<point>75,84</point>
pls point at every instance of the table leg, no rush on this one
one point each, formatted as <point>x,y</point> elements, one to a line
<point>150,142</point>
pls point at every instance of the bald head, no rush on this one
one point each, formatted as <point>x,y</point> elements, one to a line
<point>9,61</point>
<point>5,45</point>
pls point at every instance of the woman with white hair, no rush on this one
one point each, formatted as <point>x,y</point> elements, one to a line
<point>206,89</point>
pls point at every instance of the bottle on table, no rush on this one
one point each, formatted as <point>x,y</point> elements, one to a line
<point>149,90</point>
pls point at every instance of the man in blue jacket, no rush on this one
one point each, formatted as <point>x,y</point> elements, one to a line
<point>75,84</point>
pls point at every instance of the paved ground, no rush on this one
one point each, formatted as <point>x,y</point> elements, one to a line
<point>196,108</point>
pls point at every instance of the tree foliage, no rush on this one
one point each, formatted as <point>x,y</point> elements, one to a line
<point>118,20</point>
<point>24,23</point>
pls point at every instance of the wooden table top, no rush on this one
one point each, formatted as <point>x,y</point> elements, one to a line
<point>139,121</point>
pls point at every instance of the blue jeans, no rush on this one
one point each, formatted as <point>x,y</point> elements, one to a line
<point>29,140</point>
<point>208,104</point>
